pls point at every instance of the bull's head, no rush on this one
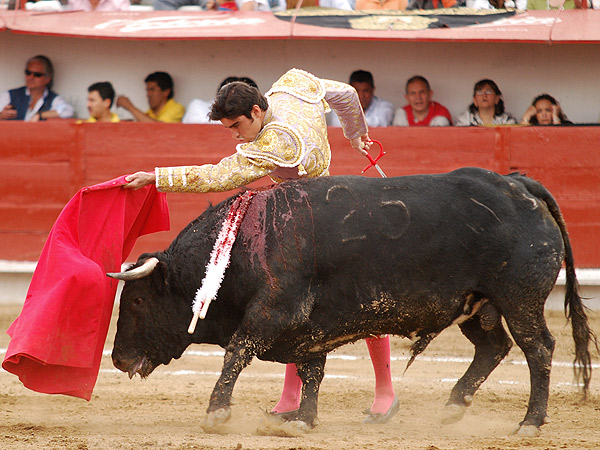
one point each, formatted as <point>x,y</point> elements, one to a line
<point>151,329</point>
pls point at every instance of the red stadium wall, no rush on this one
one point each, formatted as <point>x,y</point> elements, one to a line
<point>45,164</point>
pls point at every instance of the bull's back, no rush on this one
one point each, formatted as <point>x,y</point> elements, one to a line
<point>468,224</point>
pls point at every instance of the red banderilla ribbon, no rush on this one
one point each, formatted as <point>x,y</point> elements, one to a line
<point>373,161</point>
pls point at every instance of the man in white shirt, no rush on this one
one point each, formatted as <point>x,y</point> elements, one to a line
<point>36,100</point>
<point>421,110</point>
<point>378,112</point>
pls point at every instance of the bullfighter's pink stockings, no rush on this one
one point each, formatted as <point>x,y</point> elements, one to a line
<point>379,350</point>
<point>292,388</point>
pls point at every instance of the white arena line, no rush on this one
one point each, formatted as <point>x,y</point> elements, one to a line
<point>280,375</point>
<point>343,357</point>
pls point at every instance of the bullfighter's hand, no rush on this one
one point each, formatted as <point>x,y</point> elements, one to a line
<point>361,144</point>
<point>139,180</point>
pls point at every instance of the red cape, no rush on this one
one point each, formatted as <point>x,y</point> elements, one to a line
<point>57,341</point>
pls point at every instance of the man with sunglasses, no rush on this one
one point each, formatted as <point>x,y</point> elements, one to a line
<point>36,100</point>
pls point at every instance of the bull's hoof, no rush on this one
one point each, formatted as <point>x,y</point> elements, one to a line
<point>273,425</point>
<point>216,418</point>
<point>527,431</point>
<point>453,413</point>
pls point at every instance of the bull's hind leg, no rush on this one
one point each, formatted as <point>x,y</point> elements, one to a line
<point>492,344</point>
<point>531,334</point>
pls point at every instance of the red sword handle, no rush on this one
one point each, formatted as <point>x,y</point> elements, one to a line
<point>372,160</point>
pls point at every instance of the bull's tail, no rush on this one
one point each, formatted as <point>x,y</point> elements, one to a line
<point>574,307</point>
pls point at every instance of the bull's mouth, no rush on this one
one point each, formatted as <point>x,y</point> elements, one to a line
<point>142,366</point>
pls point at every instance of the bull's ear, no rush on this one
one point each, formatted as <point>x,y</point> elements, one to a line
<point>160,275</point>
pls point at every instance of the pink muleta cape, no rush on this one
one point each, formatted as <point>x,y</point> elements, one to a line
<point>57,340</point>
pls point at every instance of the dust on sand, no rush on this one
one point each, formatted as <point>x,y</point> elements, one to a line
<point>166,410</point>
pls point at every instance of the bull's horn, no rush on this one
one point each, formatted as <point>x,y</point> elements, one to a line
<point>139,272</point>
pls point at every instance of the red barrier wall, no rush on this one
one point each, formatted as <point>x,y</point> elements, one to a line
<point>45,164</point>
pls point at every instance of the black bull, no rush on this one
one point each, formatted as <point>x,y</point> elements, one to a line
<point>320,263</point>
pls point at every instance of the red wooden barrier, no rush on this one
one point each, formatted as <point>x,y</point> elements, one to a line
<point>44,164</point>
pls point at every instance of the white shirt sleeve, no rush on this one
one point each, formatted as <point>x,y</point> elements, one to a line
<point>62,107</point>
<point>4,99</point>
<point>439,121</point>
<point>400,119</point>
<point>197,112</point>
<point>380,113</point>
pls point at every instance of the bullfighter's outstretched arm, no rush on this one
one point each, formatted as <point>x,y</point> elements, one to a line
<point>230,173</point>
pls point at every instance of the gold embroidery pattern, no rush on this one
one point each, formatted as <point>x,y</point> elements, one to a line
<point>300,84</point>
<point>230,173</point>
<point>277,143</point>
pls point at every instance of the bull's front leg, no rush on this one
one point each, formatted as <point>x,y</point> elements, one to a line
<point>311,373</point>
<point>237,357</point>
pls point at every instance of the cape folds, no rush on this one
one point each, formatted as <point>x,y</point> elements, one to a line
<point>57,340</point>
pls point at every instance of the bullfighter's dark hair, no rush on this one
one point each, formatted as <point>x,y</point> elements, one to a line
<point>420,78</point>
<point>499,110</point>
<point>362,76</point>
<point>246,80</point>
<point>164,81</point>
<point>561,115</point>
<point>104,89</point>
<point>237,99</point>
<point>48,67</point>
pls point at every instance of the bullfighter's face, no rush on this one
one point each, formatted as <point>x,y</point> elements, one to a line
<point>245,129</point>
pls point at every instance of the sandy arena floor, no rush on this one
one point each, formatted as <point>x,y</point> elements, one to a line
<point>166,410</point>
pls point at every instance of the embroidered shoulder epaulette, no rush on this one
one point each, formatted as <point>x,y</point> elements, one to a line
<point>300,84</point>
<point>277,143</point>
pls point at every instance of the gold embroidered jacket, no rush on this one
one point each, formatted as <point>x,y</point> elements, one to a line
<point>291,144</point>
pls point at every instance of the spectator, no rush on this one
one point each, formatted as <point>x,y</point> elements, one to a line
<point>379,113</point>
<point>171,5</point>
<point>545,110</point>
<point>347,5</point>
<point>36,100</point>
<point>554,4</point>
<point>399,5</point>
<point>487,107</point>
<point>198,110</point>
<point>261,5</point>
<point>100,99</point>
<point>163,108</point>
<point>421,111</point>
<point>434,4</point>
<point>98,5</point>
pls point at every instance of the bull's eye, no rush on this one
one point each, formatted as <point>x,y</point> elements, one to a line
<point>138,301</point>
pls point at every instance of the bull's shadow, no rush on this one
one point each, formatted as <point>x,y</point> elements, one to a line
<point>319,263</point>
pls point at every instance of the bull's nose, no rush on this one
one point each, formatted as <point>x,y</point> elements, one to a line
<point>119,364</point>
